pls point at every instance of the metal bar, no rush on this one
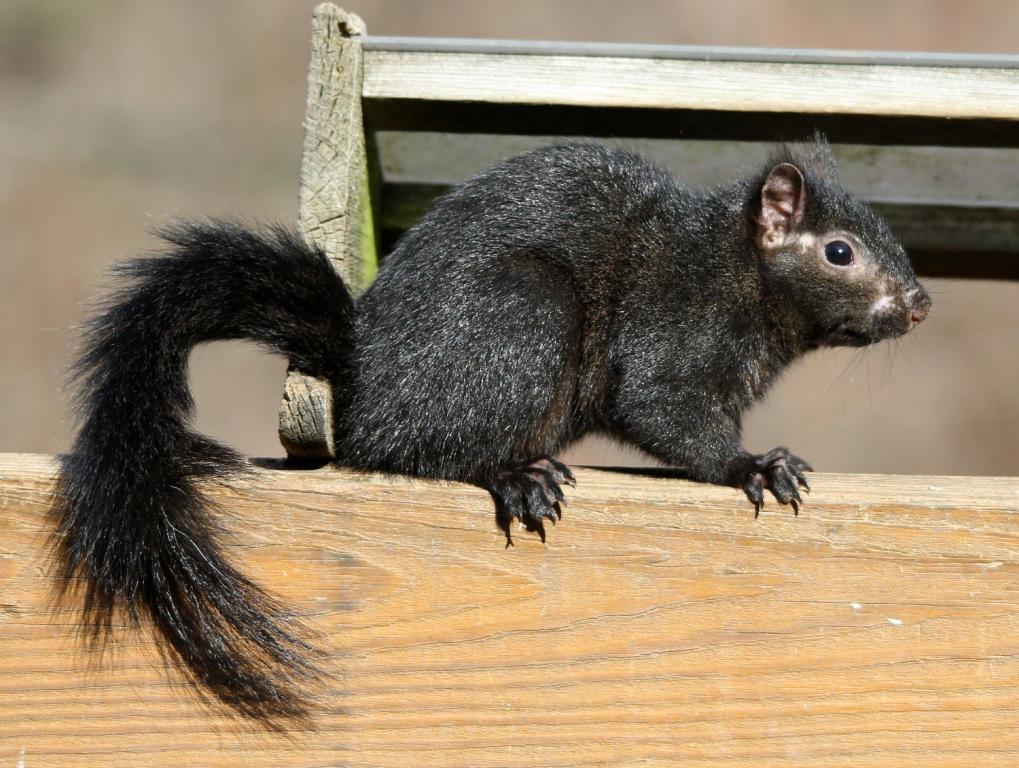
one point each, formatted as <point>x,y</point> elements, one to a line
<point>690,52</point>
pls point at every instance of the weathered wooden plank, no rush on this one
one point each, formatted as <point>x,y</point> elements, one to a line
<point>723,99</point>
<point>335,211</point>
<point>306,416</point>
<point>333,167</point>
<point>958,241</point>
<point>731,86</point>
<point>934,175</point>
<point>660,625</point>
<point>890,100</point>
<point>954,227</point>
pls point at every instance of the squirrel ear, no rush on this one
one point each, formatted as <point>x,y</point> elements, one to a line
<point>782,201</point>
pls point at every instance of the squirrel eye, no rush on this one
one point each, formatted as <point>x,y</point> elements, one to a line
<point>839,253</point>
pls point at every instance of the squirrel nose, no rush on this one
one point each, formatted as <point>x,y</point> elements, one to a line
<point>919,304</point>
<point>917,315</point>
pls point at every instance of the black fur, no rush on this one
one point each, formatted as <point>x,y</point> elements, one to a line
<point>135,526</point>
<point>574,289</point>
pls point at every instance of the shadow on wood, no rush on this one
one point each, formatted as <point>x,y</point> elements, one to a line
<point>660,625</point>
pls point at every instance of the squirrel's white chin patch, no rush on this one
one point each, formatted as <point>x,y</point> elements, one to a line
<point>882,305</point>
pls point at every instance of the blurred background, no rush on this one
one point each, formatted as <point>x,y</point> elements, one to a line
<point>116,116</point>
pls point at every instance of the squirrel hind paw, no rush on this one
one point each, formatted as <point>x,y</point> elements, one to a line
<point>531,493</point>
<point>559,473</point>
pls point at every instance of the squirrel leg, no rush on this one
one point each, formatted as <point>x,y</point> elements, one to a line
<point>708,450</point>
<point>530,492</point>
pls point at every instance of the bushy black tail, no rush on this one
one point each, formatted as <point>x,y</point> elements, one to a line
<point>135,531</point>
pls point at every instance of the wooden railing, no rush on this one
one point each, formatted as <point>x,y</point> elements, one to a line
<point>660,624</point>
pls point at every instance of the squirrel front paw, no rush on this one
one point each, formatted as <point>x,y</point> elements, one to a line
<point>781,473</point>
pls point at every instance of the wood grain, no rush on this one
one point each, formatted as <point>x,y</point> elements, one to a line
<point>738,86</point>
<point>659,625</point>
<point>333,166</point>
<point>334,212</point>
<point>306,416</point>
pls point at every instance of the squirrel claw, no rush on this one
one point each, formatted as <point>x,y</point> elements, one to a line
<point>781,473</point>
<point>560,471</point>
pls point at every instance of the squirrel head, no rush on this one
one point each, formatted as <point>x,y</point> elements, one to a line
<point>829,256</point>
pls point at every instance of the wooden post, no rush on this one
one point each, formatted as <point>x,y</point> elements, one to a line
<point>335,213</point>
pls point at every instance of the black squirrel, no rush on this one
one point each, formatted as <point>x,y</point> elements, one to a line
<point>573,289</point>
